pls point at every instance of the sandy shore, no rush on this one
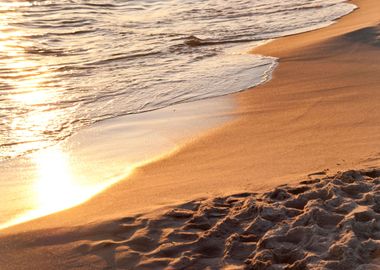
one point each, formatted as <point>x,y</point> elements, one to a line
<point>321,223</point>
<point>318,115</point>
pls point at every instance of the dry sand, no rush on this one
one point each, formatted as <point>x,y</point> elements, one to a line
<point>319,113</point>
<point>321,223</point>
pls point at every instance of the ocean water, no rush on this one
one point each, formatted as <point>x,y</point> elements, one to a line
<point>68,64</point>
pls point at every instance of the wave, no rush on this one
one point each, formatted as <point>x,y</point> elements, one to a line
<point>122,58</point>
<point>194,41</point>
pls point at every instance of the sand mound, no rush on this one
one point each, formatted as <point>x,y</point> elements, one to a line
<point>329,223</point>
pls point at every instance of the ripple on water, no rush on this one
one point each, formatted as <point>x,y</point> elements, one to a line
<point>68,64</point>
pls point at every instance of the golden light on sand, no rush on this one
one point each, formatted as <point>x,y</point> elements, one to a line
<point>55,186</point>
<point>60,180</point>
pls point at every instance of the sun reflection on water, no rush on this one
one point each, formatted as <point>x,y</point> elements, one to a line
<point>27,88</point>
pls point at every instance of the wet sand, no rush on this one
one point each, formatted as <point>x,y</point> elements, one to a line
<point>317,116</point>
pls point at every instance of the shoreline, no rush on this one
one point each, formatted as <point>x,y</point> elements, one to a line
<point>318,113</point>
<point>97,163</point>
<point>243,109</point>
<point>82,151</point>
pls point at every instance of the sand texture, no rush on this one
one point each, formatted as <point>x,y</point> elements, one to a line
<point>321,223</point>
<point>332,223</point>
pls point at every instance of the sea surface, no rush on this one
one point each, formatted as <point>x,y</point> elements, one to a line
<point>91,89</point>
<point>68,64</point>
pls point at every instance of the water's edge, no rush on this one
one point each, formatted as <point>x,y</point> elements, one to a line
<point>88,150</point>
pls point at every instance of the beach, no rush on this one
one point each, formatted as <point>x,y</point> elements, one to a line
<point>318,116</point>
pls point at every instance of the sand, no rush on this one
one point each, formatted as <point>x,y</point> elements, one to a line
<point>318,114</point>
<point>320,223</point>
